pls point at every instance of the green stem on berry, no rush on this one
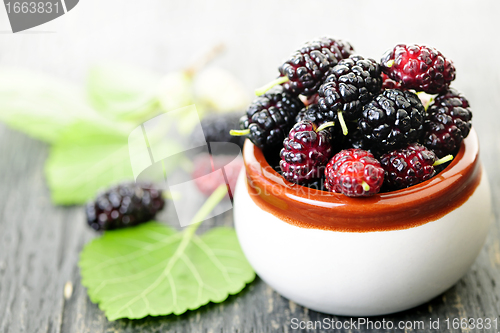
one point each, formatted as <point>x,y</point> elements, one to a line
<point>365,186</point>
<point>426,101</point>
<point>390,63</point>
<point>239,132</point>
<point>342,122</point>
<point>443,160</point>
<point>325,125</point>
<point>262,90</point>
<point>426,106</point>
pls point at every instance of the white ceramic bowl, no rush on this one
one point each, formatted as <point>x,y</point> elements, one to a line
<point>363,256</point>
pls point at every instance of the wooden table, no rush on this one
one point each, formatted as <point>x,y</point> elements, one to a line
<point>40,243</point>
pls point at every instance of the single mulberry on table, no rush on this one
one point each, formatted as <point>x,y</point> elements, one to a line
<point>124,205</point>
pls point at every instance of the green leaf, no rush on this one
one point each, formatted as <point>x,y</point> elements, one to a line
<point>123,92</point>
<point>90,156</point>
<point>87,157</point>
<point>154,270</point>
<point>38,105</point>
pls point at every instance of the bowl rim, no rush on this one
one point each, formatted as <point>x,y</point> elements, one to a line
<point>402,209</point>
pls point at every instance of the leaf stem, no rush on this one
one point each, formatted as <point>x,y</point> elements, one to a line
<point>188,233</point>
<point>262,90</point>
<point>212,201</point>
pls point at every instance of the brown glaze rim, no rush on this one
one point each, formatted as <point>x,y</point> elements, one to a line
<point>310,208</point>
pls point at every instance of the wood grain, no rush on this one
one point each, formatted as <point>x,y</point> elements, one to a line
<point>40,243</point>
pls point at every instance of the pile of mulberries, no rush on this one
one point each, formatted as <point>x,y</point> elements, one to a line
<point>363,122</point>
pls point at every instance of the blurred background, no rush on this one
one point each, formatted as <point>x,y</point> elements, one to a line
<point>40,243</point>
<point>164,36</point>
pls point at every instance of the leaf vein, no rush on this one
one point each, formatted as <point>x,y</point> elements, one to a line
<point>171,263</point>
<point>226,253</point>
<point>132,277</point>
<point>213,258</point>
<point>136,254</point>
<point>196,274</point>
<point>174,291</point>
